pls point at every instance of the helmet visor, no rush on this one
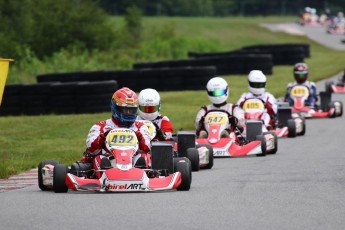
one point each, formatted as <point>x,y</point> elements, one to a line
<point>127,110</point>
<point>217,93</point>
<point>257,85</point>
<point>149,109</point>
<point>300,75</point>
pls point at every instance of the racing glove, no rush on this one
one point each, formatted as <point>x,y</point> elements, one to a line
<point>269,108</point>
<point>160,133</point>
<point>233,121</point>
<point>101,138</point>
<point>201,123</point>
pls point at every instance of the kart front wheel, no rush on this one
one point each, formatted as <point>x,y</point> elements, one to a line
<point>59,180</point>
<point>183,168</point>
<point>40,175</point>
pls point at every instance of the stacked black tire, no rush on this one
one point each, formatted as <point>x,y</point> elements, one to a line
<point>161,79</point>
<point>225,64</point>
<point>282,54</point>
<point>57,98</point>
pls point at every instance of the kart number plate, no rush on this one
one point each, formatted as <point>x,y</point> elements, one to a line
<point>122,138</point>
<point>216,118</point>
<point>253,104</point>
<point>299,91</point>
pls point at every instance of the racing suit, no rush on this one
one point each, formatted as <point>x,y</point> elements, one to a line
<point>311,100</point>
<point>164,128</point>
<point>233,110</point>
<point>271,108</point>
<point>95,141</point>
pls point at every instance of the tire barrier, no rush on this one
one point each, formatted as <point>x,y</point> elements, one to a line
<point>283,54</point>
<point>161,79</point>
<point>228,64</point>
<point>57,98</point>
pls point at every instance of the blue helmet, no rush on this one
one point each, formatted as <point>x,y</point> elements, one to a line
<point>124,106</point>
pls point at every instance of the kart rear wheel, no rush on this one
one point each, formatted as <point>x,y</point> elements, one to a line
<point>59,180</point>
<point>263,145</point>
<point>275,150</point>
<point>40,176</point>
<point>193,156</point>
<point>183,168</point>
<point>291,124</point>
<point>211,157</point>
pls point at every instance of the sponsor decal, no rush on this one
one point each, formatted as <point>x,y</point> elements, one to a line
<point>124,186</point>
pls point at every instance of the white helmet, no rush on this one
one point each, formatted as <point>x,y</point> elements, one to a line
<point>257,82</point>
<point>217,90</point>
<point>149,104</point>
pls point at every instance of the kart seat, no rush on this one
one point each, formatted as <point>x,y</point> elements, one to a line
<point>325,100</point>
<point>284,114</point>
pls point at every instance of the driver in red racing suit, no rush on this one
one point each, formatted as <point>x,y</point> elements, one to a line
<point>124,107</point>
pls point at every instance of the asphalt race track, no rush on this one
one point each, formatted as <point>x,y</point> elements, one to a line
<point>301,187</point>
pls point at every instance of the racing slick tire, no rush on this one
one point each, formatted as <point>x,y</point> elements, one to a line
<point>291,128</point>
<point>304,127</point>
<point>275,150</point>
<point>210,157</point>
<point>263,145</point>
<point>338,105</point>
<point>59,179</point>
<point>40,177</point>
<point>183,168</point>
<point>332,106</point>
<point>193,156</point>
<point>183,159</point>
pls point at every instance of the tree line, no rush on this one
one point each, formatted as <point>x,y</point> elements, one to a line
<point>219,7</point>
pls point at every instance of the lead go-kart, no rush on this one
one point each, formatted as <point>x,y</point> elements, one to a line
<point>326,109</point>
<point>255,142</point>
<point>283,126</point>
<point>198,156</point>
<point>118,174</point>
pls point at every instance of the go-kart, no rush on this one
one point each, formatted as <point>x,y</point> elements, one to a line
<point>327,108</point>
<point>255,142</point>
<point>336,87</point>
<point>199,157</point>
<point>117,173</point>
<point>336,28</point>
<point>283,126</point>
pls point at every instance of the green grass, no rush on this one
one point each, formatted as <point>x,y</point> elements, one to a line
<point>27,140</point>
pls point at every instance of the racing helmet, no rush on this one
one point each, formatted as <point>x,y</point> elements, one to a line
<point>124,106</point>
<point>300,72</point>
<point>217,90</point>
<point>149,104</point>
<point>256,82</point>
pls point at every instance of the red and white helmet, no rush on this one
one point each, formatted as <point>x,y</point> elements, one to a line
<point>300,72</point>
<point>217,90</point>
<point>149,104</point>
<point>124,106</point>
<point>256,82</point>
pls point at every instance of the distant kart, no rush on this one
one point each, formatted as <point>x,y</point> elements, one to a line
<point>336,87</point>
<point>254,143</point>
<point>117,172</point>
<point>287,126</point>
<point>336,28</point>
<point>327,108</point>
